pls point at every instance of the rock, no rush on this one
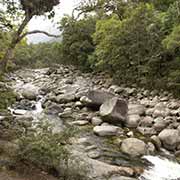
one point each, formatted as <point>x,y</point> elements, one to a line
<point>19,112</point>
<point>53,109</point>
<point>160,124</point>
<point>84,141</point>
<point>147,131</point>
<point>133,147</point>
<point>80,123</point>
<point>149,111</point>
<point>96,121</point>
<point>160,110</point>
<point>156,141</point>
<point>147,121</point>
<point>130,134</point>
<point>94,154</point>
<point>130,91</point>
<point>170,138</point>
<point>146,93</point>
<point>66,113</point>
<point>30,92</point>
<point>133,120</point>
<point>173,105</point>
<point>65,98</point>
<point>151,148</point>
<point>106,130</point>
<point>136,109</point>
<point>78,104</point>
<point>114,110</point>
<point>116,177</point>
<point>95,98</point>
<point>25,104</point>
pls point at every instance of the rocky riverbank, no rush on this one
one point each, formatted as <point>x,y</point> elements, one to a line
<point>117,125</point>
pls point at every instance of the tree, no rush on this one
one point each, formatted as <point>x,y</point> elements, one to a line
<point>77,42</point>
<point>26,10</point>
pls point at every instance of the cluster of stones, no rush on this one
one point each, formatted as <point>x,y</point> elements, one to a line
<point>142,121</point>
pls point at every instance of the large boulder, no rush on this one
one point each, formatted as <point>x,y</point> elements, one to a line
<point>170,138</point>
<point>106,130</point>
<point>133,147</point>
<point>30,92</point>
<point>114,110</point>
<point>95,98</point>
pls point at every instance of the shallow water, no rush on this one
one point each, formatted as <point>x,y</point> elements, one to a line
<point>161,169</point>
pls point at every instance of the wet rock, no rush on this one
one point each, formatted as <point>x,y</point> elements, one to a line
<point>156,141</point>
<point>95,98</point>
<point>106,130</point>
<point>19,112</point>
<point>170,138</point>
<point>133,120</point>
<point>133,147</point>
<point>25,104</point>
<point>151,148</point>
<point>136,109</point>
<point>114,110</point>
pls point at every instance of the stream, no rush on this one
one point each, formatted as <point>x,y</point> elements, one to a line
<point>161,168</point>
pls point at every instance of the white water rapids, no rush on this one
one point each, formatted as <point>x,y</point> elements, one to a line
<point>162,169</point>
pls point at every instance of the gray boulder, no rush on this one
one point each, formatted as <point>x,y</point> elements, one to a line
<point>95,98</point>
<point>114,110</point>
<point>133,147</point>
<point>170,138</point>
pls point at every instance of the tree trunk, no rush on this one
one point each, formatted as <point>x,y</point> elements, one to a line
<point>15,39</point>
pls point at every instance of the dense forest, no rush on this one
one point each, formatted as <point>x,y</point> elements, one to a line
<point>135,41</point>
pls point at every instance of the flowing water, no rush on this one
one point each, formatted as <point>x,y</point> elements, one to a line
<point>161,169</point>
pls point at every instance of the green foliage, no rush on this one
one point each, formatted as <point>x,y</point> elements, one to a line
<point>7,97</point>
<point>46,150</point>
<point>126,47</point>
<point>172,41</point>
<point>77,43</point>
<point>38,55</point>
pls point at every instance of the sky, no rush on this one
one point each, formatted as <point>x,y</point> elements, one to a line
<point>42,23</point>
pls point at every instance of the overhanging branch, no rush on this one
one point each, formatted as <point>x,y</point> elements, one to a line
<point>38,32</point>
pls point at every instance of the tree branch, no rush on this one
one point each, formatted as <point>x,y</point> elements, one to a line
<point>36,32</point>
